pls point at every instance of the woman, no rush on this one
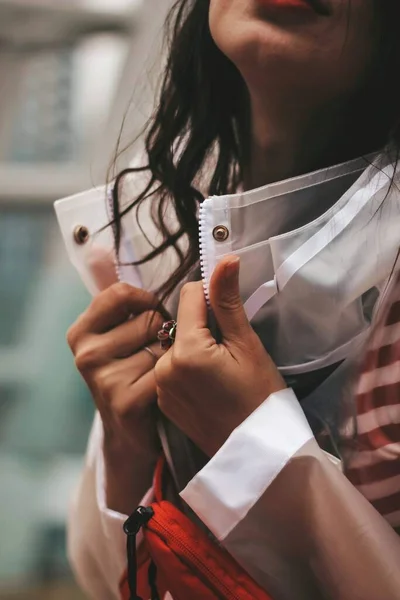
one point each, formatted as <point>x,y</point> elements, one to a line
<point>255,92</point>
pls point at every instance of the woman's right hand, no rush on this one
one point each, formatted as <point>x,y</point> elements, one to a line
<point>108,342</point>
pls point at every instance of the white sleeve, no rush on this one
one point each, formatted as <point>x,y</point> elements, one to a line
<point>96,541</point>
<point>227,492</point>
<point>254,454</point>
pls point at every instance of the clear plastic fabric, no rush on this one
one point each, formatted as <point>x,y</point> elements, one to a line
<point>311,535</point>
<point>307,289</point>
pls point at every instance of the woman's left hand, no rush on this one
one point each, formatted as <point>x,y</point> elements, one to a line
<point>207,388</point>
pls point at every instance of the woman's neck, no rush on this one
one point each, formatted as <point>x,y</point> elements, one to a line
<point>288,142</point>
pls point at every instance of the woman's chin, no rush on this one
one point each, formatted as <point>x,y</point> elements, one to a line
<point>255,42</point>
<point>286,49</point>
<point>266,55</point>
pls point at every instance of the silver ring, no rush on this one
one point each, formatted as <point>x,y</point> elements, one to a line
<point>151,352</point>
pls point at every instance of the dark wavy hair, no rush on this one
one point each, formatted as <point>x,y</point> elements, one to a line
<point>203,111</point>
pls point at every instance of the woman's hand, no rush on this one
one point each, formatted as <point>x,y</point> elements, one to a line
<point>108,343</point>
<point>207,389</point>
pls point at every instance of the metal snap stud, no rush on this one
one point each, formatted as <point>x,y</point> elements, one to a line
<point>220,233</point>
<point>81,234</point>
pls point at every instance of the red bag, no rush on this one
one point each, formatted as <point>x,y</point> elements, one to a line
<point>178,557</point>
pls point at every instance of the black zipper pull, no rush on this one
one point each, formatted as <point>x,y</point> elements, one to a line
<point>132,526</point>
<point>135,522</point>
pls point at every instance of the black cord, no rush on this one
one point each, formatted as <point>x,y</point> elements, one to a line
<point>132,567</point>
<point>153,581</point>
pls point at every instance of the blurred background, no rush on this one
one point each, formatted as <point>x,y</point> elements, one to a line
<point>70,72</point>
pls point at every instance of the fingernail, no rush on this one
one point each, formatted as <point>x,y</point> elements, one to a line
<point>232,268</point>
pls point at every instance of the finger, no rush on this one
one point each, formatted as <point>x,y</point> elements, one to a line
<point>112,307</point>
<point>154,351</point>
<point>102,267</point>
<point>98,350</point>
<point>192,310</point>
<point>132,368</point>
<point>123,391</point>
<point>162,370</point>
<point>144,391</point>
<point>129,337</point>
<point>115,379</point>
<point>225,300</point>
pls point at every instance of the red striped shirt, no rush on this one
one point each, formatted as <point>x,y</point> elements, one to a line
<point>373,465</point>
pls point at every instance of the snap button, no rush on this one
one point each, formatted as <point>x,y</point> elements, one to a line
<point>81,234</point>
<point>220,233</point>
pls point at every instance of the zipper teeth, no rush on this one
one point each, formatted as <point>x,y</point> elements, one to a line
<point>111,209</point>
<point>218,585</point>
<point>204,266</point>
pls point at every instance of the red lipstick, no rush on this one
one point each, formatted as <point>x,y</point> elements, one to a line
<point>319,6</point>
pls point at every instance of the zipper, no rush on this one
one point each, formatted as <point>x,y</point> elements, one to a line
<point>132,526</point>
<point>204,573</point>
<point>203,249</point>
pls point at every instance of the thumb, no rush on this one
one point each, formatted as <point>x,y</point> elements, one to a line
<point>225,299</point>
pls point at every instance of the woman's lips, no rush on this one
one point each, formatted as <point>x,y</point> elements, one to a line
<point>321,7</point>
